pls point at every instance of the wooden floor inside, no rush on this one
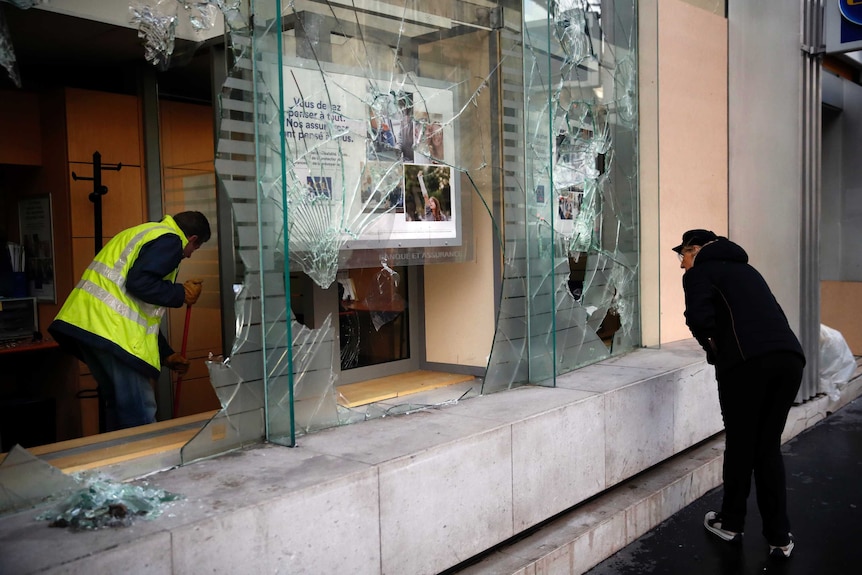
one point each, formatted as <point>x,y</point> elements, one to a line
<point>383,388</point>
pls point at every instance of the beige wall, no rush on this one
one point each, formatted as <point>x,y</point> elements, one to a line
<point>692,141</point>
<point>463,334</point>
<point>459,298</point>
<point>650,248</point>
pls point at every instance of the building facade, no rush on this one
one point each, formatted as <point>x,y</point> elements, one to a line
<point>480,192</point>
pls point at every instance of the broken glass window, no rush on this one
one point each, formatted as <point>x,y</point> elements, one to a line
<point>26,480</point>
<point>157,26</point>
<point>375,136</point>
<point>7,51</point>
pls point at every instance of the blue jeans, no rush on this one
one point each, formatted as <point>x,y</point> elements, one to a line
<point>127,394</point>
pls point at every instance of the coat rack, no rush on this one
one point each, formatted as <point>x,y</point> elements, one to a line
<point>96,197</point>
<point>98,191</point>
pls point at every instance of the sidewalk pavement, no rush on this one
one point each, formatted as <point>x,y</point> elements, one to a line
<point>824,491</point>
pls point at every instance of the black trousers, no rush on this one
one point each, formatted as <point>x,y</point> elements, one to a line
<point>755,399</point>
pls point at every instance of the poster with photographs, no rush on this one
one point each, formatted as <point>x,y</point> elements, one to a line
<point>369,148</point>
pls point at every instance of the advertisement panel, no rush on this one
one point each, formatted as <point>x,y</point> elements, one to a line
<point>374,156</point>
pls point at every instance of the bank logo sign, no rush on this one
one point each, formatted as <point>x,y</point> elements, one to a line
<point>843,26</point>
<point>851,10</point>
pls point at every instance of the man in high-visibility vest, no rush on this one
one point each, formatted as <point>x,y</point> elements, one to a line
<point>111,319</point>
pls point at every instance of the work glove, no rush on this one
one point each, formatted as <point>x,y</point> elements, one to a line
<point>178,363</point>
<point>193,289</point>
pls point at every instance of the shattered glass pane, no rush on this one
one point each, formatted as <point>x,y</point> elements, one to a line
<point>7,51</point>
<point>157,26</point>
<point>570,281</point>
<point>363,141</point>
<point>157,22</point>
<point>26,480</point>
<point>102,502</point>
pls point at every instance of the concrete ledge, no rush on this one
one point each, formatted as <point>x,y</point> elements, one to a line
<point>425,492</point>
<point>578,540</point>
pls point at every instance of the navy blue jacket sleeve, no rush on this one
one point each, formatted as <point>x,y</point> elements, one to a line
<point>700,310</point>
<point>156,260</point>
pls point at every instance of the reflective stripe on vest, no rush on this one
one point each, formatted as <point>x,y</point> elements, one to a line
<point>101,305</point>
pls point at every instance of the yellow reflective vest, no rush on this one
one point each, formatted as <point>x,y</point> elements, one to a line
<point>100,304</point>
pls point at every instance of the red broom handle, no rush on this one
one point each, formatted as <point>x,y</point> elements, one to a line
<point>182,353</point>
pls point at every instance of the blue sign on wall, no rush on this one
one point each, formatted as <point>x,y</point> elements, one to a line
<point>851,20</point>
<point>851,10</point>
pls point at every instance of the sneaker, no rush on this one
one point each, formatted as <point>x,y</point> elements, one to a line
<point>712,522</point>
<point>782,552</point>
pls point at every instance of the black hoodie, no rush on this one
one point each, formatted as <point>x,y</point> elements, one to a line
<point>730,309</point>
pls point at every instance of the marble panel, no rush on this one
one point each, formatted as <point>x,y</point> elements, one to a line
<point>518,404</point>
<point>145,556</point>
<point>233,542</point>
<point>600,378</point>
<point>687,346</point>
<point>559,460</point>
<point>28,545</point>
<point>602,542</point>
<point>584,551</point>
<point>332,528</point>
<point>639,427</point>
<point>697,414</point>
<point>390,438</point>
<point>499,563</point>
<point>246,478</point>
<point>669,357</point>
<point>441,506</point>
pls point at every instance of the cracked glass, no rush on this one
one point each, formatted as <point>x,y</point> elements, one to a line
<point>446,189</point>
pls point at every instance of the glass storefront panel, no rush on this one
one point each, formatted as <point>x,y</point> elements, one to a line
<point>489,145</point>
<point>570,281</point>
<point>411,186</point>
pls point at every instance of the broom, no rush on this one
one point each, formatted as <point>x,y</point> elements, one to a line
<point>182,353</point>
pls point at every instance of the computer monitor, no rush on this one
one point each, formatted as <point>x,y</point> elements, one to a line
<point>19,318</point>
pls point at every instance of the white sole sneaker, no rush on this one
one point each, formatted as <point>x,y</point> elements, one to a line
<point>713,524</point>
<point>782,552</point>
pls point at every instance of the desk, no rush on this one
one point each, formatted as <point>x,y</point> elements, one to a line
<point>27,345</point>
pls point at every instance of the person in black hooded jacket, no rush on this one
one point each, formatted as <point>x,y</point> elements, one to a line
<point>758,361</point>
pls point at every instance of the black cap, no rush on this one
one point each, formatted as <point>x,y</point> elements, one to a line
<point>695,238</point>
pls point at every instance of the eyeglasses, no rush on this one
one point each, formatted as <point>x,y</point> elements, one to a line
<point>688,250</point>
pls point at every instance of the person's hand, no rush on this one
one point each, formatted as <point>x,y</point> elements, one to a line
<point>178,363</point>
<point>193,289</point>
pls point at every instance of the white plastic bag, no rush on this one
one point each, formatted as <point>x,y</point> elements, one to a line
<point>837,363</point>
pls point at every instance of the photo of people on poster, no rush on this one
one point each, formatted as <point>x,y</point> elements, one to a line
<point>429,192</point>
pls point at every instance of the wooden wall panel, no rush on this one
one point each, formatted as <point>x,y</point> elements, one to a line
<point>197,396</point>
<point>841,309</point>
<point>83,252</point>
<point>106,123</point>
<point>204,330</point>
<point>179,121</point>
<point>123,206</point>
